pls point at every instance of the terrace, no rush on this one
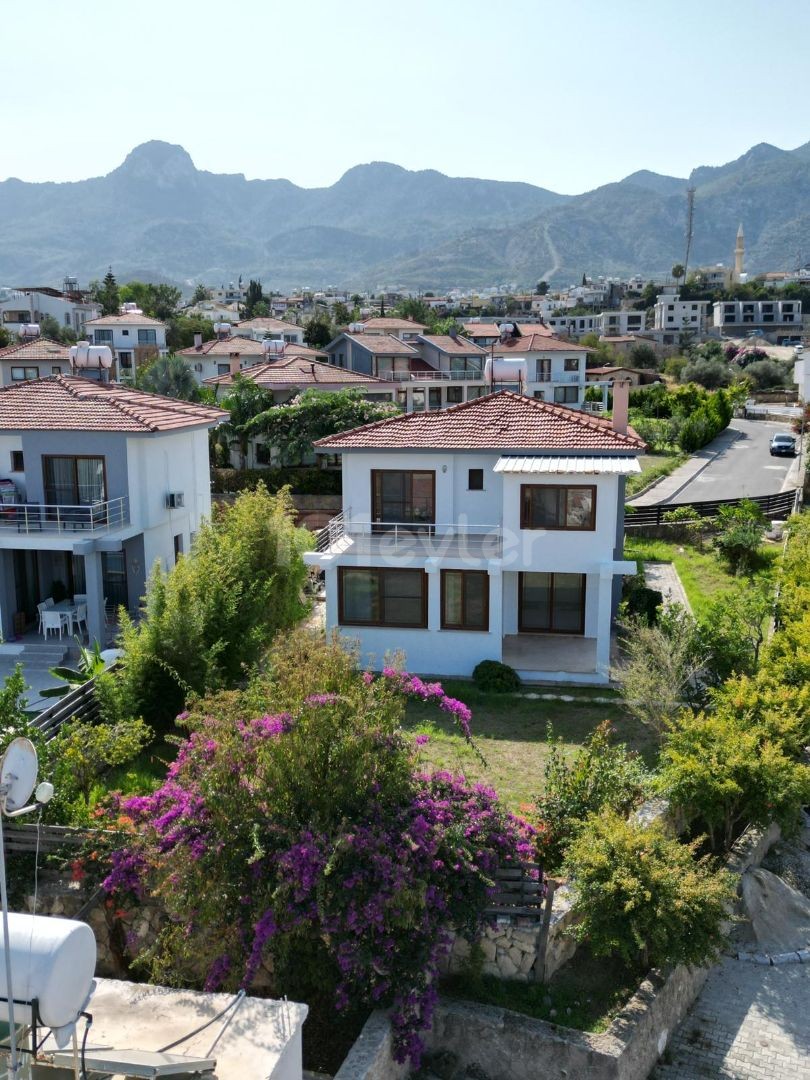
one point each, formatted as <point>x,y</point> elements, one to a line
<point>58,518</point>
<point>422,539</point>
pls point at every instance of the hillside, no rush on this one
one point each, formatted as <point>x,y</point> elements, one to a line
<point>381,224</point>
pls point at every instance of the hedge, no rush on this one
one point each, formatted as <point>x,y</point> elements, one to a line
<point>302,481</point>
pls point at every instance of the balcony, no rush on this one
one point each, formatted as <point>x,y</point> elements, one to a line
<point>431,376</point>
<point>53,518</point>
<point>345,534</point>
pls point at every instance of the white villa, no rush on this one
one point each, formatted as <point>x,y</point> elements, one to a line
<point>492,530</point>
<point>133,337</point>
<point>98,481</point>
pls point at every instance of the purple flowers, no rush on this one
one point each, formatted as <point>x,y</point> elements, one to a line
<point>316,700</point>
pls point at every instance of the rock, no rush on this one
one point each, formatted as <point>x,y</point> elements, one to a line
<point>516,956</point>
<point>488,948</point>
<point>461,948</point>
<point>507,967</point>
<point>779,915</point>
<point>442,1064</point>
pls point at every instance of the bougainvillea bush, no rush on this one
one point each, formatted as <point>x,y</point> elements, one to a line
<point>298,827</point>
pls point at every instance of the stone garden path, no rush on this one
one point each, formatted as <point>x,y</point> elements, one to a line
<point>750,1022</point>
<point>664,577</point>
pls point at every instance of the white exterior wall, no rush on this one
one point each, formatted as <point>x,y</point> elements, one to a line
<point>155,467</point>
<point>672,313</point>
<point>66,312</point>
<point>8,443</point>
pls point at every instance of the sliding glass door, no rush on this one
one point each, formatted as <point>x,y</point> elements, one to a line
<point>74,481</point>
<point>399,497</point>
<point>551,603</point>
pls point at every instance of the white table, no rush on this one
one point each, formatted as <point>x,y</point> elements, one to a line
<point>67,607</point>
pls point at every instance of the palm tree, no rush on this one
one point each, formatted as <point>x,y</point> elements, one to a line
<point>171,376</point>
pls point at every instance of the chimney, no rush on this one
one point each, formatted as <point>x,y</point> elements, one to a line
<point>621,404</point>
<point>233,366</point>
<point>198,342</point>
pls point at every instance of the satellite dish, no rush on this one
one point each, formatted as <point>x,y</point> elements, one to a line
<point>18,775</point>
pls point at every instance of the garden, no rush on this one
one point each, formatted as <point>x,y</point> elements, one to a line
<point>306,827</point>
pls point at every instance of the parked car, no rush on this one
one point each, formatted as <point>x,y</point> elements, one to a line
<point>783,444</point>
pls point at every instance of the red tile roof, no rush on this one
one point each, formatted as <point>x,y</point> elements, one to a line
<point>247,347</point>
<point>299,371</point>
<point>538,343</point>
<point>385,323</point>
<point>40,348</point>
<point>454,345</point>
<point>262,322</point>
<point>383,344</point>
<point>491,329</point>
<point>130,318</point>
<point>70,403</point>
<point>498,422</point>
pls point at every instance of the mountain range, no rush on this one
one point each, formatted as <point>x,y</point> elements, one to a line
<point>158,217</point>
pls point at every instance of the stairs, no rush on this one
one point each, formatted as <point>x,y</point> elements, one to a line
<point>33,656</point>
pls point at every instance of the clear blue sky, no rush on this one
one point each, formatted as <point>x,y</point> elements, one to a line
<point>565,95</point>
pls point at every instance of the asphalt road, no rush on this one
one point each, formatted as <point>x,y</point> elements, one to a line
<point>742,467</point>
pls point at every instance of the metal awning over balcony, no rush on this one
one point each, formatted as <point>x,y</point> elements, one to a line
<point>577,465</point>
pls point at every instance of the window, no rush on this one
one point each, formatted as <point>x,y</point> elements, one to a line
<point>455,395</point>
<point>67,318</point>
<point>566,395</point>
<point>543,370</point>
<point>178,546</point>
<point>552,506</point>
<point>373,596</point>
<point>147,337</point>
<point>551,603</point>
<point>223,369</point>
<point>23,374</point>
<point>125,333</point>
<point>406,497</point>
<point>434,397</point>
<point>571,364</point>
<point>104,337</point>
<point>475,392</point>
<point>125,359</point>
<point>540,395</point>
<point>56,370</point>
<point>465,600</point>
<point>475,479</point>
<point>17,461</point>
<point>419,399</point>
<point>74,481</point>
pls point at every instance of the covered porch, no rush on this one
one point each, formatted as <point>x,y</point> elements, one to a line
<point>554,657</point>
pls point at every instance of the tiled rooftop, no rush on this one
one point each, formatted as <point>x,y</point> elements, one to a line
<point>455,346</point>
<point>247,347</point>
<point>500,421</point>
<point>40,348</point>
<point>299,371</point>
<point>262,322</point>
<point>70,403</point>
<point>386,323</point>
<point>383,344</point>
<point>129,318</point>
<point>538,343</point>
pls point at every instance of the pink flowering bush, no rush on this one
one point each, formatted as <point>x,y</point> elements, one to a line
<point>298,827</point>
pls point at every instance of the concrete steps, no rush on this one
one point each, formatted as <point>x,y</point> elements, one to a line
<point>33,656</point>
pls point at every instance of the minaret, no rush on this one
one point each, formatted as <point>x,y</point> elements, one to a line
<point>739,253</point>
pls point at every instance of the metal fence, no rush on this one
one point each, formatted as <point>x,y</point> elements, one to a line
<point>778,507</point>
<point>80,703</point>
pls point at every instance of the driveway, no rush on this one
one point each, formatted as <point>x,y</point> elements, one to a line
<point>735,464</point>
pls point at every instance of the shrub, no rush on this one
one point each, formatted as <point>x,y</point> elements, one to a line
<point>711,374</point>
<point>493,677</point>
<point>733,631</point>
<point>726,771</point>
<point>767,374</point>
<point>300,481</point>
<point>687,525</point>
<point>301,829</point>
<point>740,534</point>
<point>601,775</point>
<point>207,621</point>
<point>644,896</point>
<point>639,601</point>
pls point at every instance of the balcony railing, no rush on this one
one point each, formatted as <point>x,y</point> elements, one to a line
<point>430,376</point>
<point>410,537</point>
<point>32,518</point>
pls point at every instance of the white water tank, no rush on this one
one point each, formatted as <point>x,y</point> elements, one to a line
<point>30,330</point>
<point>85,355</point>
<point>356,327</point>
<point>222,329</point>
<point>501,370</point>
<point>273,347</point>
<point>52,961</point>
<point>130,308</point>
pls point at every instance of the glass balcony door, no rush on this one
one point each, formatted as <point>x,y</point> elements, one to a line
<point>551,603</point>
<point>400,497</point>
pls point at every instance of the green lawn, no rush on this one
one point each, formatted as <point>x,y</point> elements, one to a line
<point>704,575</point>
<point>653,466</point>
<point>511,733</point>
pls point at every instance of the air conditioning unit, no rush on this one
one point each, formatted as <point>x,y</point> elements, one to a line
<point>174,500</point>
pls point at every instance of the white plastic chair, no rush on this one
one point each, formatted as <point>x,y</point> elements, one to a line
<point>54,620</point>
<point>80,598</point>
<point>40,608</point>
<point>81,616</point>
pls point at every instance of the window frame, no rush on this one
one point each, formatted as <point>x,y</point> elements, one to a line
<point>476,486</point>
<point>462,626</point>
<point>379,573</point>
<point>571,363</point>
<point>26,370</point>
<point>525,512</point>
<point>376,512</point>
<point>583,593</point>
<point>17,461</point>
<point>76,458</point>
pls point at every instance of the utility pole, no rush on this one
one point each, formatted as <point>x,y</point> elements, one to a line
<point>690,216</point>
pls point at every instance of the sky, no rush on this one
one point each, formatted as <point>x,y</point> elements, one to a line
<point>564,95</point>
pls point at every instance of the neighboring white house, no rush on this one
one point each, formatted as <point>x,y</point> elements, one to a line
<point>133,337</point>
<point>620,323</point>
<point>493,530</point>
<point>100,481</point>
<point>779,320</point>
<point>801,375</point>
<point>672,313</point>
<point>262,328</point>
<point>33,359</point>
<point>69,306</point>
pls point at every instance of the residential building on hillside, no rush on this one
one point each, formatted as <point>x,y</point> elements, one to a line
<point>574,326</point>
<point>24,305</point>
<point>226,355</point>
<point>620,323</point>
<point>261,329</point>
<point>778,320</point>
<point>555,369</point>
<point>100,482</point>
<point>33,359</point>
<point>493,530</point>
<point>133,337</point>
<point>676,315</point>
<point>404,329</point>
<point>610,374</point>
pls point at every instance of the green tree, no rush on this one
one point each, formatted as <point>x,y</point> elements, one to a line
<point>643,896</point>
<point>643,356</point>
<point>170,376</point>
<point>292,429</point>
<point>182,328</point>
<point>201,293</point>
<point>710,374</point>
<point>733,631</point>
<point>208,621</point>
<point>84,751</point>
<point>341,314</point>
<point>541,288</point>
<point>416,309</point>
<point>318,331</point>
<point>244,402</point>
<point>739,536</point>
<point>678,271</point>
<point>5,337</point>
<point>253,296</point>
<point>107,295</point>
